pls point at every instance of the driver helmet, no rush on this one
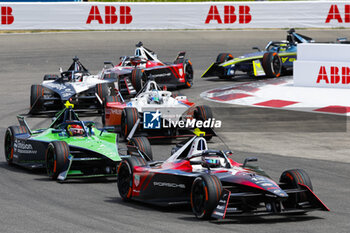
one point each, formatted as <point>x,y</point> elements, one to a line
<point>212,161</point>
<point>283,47</point>
<point>155,97</point>
<point>75,130</point>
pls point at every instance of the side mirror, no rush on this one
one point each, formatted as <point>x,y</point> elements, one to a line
<point>249,159</point>
<point>61,70</point>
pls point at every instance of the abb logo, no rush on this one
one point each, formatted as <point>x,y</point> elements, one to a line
<point>110,15</point>
<point>6,15</point>
<point>334,14</point>
<point>334,75</point>
<point>230,17</point>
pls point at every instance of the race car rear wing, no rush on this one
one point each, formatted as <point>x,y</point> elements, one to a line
<point>22,122</point>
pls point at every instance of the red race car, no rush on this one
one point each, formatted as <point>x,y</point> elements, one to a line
<point>157,113</point>
<point>133,71</point>
<point>214,184</point>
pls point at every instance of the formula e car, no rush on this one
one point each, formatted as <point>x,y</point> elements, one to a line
<point>77,85</point>
<point>215,185</point>
<point>276,59</point>
<point>133,71</point>
<point>157,114</point>
<point>68,148</point>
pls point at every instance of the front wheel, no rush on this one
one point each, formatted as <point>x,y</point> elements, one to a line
<point>205,194</point>
<point>272,65</point>
<point>56,158</point>
<point>125,179</point>
<point>129,118</point>
<point>143,145</point>
<point>188,72</point>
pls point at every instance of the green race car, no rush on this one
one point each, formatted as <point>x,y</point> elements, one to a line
<point>68,148</point>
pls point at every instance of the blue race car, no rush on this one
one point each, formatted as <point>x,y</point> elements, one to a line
<point>277,59</point>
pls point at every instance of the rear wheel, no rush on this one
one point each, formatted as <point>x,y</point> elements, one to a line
<point>143,144</point>
<point>221,58</point>
<point>138,79</point>
<point>10,139</point>
<point>188,72</point>
<point>36,92</point>
<point>205,194</point>
<point>272,65</point>
<point>129,118</point>
<point>56,158</point>
<point>125,176</point>
<point>292,178</point>
<point>203,113</point>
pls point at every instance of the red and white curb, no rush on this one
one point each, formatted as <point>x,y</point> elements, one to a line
<point>282,94</point>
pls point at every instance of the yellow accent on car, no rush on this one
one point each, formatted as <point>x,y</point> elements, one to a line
<point>68,104</point>
<point>198,132</point>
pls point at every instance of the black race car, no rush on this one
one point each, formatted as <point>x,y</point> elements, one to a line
<point>214,184</point>
<point>77,85</point>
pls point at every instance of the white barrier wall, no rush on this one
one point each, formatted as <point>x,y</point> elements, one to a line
<point>186,15</point>
<point>322,65</point>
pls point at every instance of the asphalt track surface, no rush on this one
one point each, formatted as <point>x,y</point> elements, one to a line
<point>30,202</point>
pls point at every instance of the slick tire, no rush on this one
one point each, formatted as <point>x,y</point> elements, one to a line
<point>203,113</point>
<point>206,191</point>
<point>129,118</point>
<point>272,65</point>
<point>292,178</point>
<point>36,92</point>
<point>103,91</point>
<point>143,144</point>
<point>188,70</point>
<point>56,158</point>
<point>10,139</point>
<point>125,179</point>
<point>221,58</point>
<point>138,79</point>
<point>50,77</point>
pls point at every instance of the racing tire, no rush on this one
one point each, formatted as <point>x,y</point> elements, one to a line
<point>203,113</point>
<point>206,191</point>
<point>221,58</point>
<point>10,139</point>
<point>143,144</point>
<point>292,178</point>
<point>138,79</point>
<point>125,173</point>
<point>129,118</point>
<point>272,65</point>
<point>36,92</point>
<point>102,91</point>
<point>188,72</point>
<point>50,77</point>
<point>56,158</point>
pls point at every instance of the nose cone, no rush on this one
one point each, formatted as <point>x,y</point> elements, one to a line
<point>256,181</point>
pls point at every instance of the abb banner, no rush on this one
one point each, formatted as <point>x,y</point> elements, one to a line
<point>322,65</point>
<point>175,15</point>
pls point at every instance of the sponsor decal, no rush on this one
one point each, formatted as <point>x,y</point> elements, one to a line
<point>230,16</point>
<point>161,75</point>
<point>169,185</point>
<point>136,180</point>
<point>22,147</point>
<point>111,16</point>
<point>151,120</point>
<point>337,75</point>
<point>6,15</point>
<point>334,14</point>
